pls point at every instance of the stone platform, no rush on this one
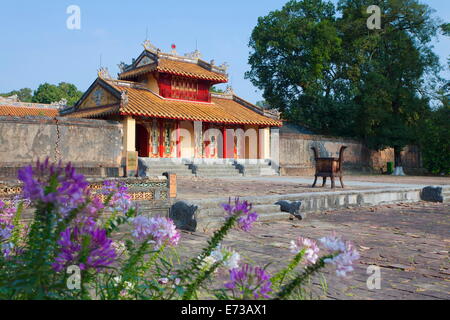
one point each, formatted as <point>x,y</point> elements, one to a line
<point>408,242</point>
<point>265,192</point>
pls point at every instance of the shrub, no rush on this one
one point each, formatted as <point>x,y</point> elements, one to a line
<point>74,230</point>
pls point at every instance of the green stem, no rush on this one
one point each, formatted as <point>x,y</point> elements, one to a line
<point>298,281</point>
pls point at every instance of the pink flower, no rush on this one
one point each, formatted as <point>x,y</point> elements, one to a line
<point>346,254</point>
<point>310,247</point>
<point>156,230</point>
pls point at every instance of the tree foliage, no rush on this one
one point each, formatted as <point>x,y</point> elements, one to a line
<point>24,95</point>
<point>324,69</point>
<point>49,93</point>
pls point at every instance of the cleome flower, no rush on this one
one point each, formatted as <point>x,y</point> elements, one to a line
<point>118,192</point>
<point>243,210</point>
<point>156,230</point>
<point>86,246</point>
<point>69,188</point>
<point>229,258</point>
<point>249,282</point>
<point>347,254</point>
<point>310,247</point>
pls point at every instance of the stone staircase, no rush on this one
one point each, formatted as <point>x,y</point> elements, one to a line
<point>206,167</point>
<point>156,167</point>
<point>217,169</point>
<point>210,213</point>
<point>256,169</point>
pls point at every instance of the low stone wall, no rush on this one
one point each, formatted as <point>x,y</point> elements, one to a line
<point>297,158</point>
<point>153,196</point>
<point>93,146</point>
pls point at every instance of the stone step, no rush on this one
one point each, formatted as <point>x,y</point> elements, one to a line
<point>217,222</point>
<point>169,167</point>
<point>211,168</point>
<point>218,174</point>
<point>159,172</point>
<point>220,212</point>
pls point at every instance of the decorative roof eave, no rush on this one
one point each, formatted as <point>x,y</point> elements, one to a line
<point>96,112</point>
<point>137,72</point>
<point>193,76</point>
<point>99,81</point>
<point>256,123</point>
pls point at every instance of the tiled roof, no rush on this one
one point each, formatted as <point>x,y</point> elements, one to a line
<point>189,70</point>
<point>179,68</point>
<point>24,111</point>
<point>143,102</point>
<point>94,112</point>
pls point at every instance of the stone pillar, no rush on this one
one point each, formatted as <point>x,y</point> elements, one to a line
<point>264,143</point>
<point>275,148</point>
<point>129,135</point>
<point>198,139</point>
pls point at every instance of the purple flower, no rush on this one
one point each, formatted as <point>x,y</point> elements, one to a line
<point>85,245</point>
<point>347,254</point>
<point>5,234</point>
<point>156,230</point>
<point>243,210</point>
<point>119,197</point>
<point>6,229</point>
<point>310,247</point>
<point>49,183</point>
<point>248,281</point>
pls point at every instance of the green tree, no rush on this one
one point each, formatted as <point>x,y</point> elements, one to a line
<point>24,95</point>
<point>333,75</point>
<point>389,69</point>
<point>435,142</point>
<point>49,93</point>
<point>294,55</point>
<point>214,89</point>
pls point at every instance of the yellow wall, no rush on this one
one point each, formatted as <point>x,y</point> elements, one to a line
<point>104,98</point>
<point>152,83</point>
<point>187,139</point>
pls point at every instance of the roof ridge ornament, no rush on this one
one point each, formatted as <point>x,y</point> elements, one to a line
<point>194,54</point>
<point>174,49</point>
<point>122,66</point>
<point>224,66</point>
<point>229,91</point>
<point>60,104</point>
<point>149,46</point>
<point>124,98</point>
<point>104,73</point>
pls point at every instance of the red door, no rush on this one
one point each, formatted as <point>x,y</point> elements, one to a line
<point>142,141</point>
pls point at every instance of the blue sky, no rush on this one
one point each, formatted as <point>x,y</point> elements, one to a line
<point>37,47</point>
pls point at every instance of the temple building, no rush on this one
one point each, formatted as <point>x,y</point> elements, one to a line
<point>167,109</point>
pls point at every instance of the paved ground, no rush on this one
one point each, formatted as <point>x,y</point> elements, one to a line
<point>410,242</point>
<point>199,188</point>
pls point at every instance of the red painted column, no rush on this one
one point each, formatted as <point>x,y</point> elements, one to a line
<point>224,145</point>
<point>161,138</point>
<point>178,140</point>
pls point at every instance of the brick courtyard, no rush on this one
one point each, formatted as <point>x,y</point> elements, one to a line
<point>410,242</point>
<point>200,188</point>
